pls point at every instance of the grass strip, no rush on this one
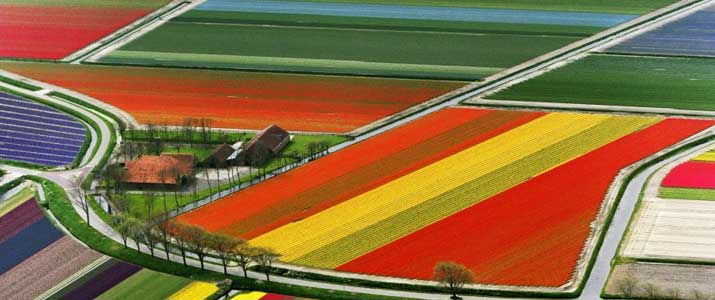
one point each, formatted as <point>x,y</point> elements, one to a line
<point>686,193</point>
<point>20,84</point>
<point>62,209</point>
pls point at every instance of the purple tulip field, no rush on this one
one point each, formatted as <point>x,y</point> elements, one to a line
<point>38,134</point>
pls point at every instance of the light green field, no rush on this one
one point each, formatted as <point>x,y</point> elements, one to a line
<point>680,83</point>
<point>146,285</point>
<point>686,193</point>
<point>624,6</point>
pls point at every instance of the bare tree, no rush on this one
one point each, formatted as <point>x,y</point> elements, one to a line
<point>188,130</point>
<point>164,178</point>
<point>265,257</point>
<point>243,255</point>
<point>175,173</point>
<point>149,203</point>
<point>120,224</point>
<point>84,201</point>
<point>197,241</point>
<point>208,180</point>
<point>149,237</point>
<point>224,246</point>
<point>178,232</point>
<point>453,276</point>
<point>698,295</point>
<point>135,229</point>
<point>160,227</point>
<point>673,293</point>
<point>627,286</point>
<point>150,131</point>
<point>651,291</point>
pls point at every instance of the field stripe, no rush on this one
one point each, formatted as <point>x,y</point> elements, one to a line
<point>200,59</point>
<point>382,171</point>
<point>314,187</point>
<point>532,234</point>
<point>479,188</point>
<point>250,296</point>
<point>686,193</point>
<point>708,156</point>
<point>300,238</point>
<point>195,290</point>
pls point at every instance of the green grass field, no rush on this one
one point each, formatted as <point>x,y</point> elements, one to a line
<point>681,83</point>
<point>625,7</point>
<point>146,285</point>
<point>334,50</point>
<point>686,193</point>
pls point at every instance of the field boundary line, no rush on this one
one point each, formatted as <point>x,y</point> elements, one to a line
<point>614,109</point>
<point>127,32</point>
<point>76,276</point>
<point>529,69</point>
<point>594,44</point>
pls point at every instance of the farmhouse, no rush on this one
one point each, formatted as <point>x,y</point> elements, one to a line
<point>266,144</point>
<point>169,169</point>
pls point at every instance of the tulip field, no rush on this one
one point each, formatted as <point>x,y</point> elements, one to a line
<point>693,180</point>
<point>416,188</point>
<point>36,255</point>
<point>668,67</point>
<point>442,40</point>
<point>39,29</point>
<point>35,133</point>
<point>355,149</point>
<point>240,99</point>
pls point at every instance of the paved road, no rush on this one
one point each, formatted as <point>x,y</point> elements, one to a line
<point>71,179</point>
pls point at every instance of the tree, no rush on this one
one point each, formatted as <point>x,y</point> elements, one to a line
<point>188,129</point>
<point>84,201</point>
<point>243,255</point>
<point>224,246</point>
<point>135,230</point>
<point>265,257</point>
<point>120,224</point>
<point>164,177</point>
<point>177,230</point>
<point>149,203</point>
<point>627,286</point>
<point>652,291</point>
<point>698,295</point>
<point>453,276</point>
<point>673,293</point>
<point>160,227</point>
<point>175,173</point>
<point>149,237</point>
<point>197,241</point>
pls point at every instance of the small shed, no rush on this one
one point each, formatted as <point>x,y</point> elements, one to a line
<point>219,157</point>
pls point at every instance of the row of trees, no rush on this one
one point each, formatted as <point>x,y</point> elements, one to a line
<point>630,288</point>
<point>158,233</point>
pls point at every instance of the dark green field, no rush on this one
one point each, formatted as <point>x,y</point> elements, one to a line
<point>682,83</point>
<point>609,6</point>
<point>334,50</point>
